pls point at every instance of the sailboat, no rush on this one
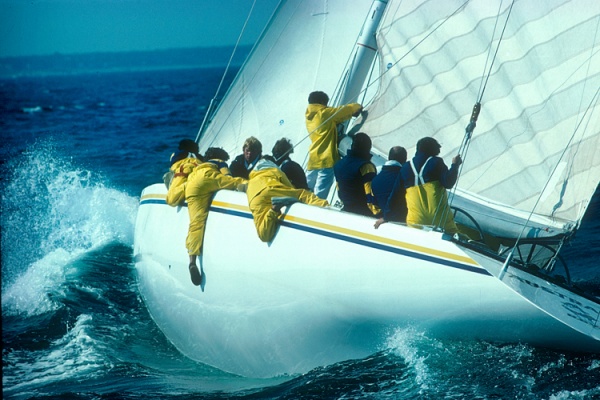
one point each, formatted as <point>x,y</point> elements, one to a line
<point>511,86</point>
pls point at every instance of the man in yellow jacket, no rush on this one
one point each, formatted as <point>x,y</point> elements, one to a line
<point>183,163</point>
<point>266,183</point>
<point>203,182</point>
<point>321,123</point>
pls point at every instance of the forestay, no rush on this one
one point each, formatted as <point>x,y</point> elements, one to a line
<point>540,117</point>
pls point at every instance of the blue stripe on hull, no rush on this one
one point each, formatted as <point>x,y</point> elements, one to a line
<point>384,247</point>
<point>333,235</point>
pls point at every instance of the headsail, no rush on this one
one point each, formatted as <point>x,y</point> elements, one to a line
<point>538,134</point>
<point>540,100</point>
<point>305,48</point>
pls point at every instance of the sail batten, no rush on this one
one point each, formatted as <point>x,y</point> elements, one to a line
<point>531,169</point>
<point>537,110</point>
<point>434,58</point>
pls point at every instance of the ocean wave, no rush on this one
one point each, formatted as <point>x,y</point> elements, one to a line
<point>407,343</point>
<point>75,355</point>
<point>35,291</point>
<point>30,110</point>
<point>54,211</point>
<point>478,369</point>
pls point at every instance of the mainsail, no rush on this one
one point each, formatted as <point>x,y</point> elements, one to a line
<point>329,286</point>
<point>536,143</point>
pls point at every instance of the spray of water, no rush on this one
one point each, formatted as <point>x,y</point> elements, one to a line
<point>53,212</point>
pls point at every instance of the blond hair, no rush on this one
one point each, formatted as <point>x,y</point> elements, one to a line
<point>253,144</point>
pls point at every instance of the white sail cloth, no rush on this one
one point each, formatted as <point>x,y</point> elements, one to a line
<point>540,117</point>
<point>306,47</point>
<point>537,138</point>
<point>288,317</point>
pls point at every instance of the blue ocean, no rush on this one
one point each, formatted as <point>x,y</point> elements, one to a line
<point>77,149</point>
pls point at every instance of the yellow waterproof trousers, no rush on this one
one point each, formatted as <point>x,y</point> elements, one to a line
<point>265,219</point>
<point>201,186</point>
<point>262,187</point>
<point>428,205</point>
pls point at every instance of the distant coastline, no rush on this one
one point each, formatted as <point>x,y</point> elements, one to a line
<point>67,64</point>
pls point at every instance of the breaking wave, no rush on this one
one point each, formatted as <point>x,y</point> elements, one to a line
<point>53,212</point>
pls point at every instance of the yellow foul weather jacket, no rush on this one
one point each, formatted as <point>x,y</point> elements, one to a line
<point>265,184</point>
<point>321,123</point>
<point>202,184</point>
<point>181,170</point>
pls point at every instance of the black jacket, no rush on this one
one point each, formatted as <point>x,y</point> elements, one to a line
<point>351,183</point>
<point>239,169</point>
<point>294,172</point>
<point>390,193</point>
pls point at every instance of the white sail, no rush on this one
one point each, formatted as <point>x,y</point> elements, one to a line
<point>538,133</point>
<point>330,287</point>
<point>305,48</point>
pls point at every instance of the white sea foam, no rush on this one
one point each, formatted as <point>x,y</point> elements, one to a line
<point>74,355</point>
<point>34,291</point>
<point>575,395</point>
<point>56,212</point>
<point>405,342</point>
<point>30,110</point>
<point>87,215</point>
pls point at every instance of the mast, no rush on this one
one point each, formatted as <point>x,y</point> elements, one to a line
<point>365,51</point>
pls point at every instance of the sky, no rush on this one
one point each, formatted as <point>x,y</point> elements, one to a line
<point>41,27</point>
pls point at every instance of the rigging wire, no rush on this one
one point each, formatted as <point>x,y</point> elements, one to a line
<point>497,49</point>
<point>594,99</point>
<point>459,9</point>
<point>589,66</point>
<point>250,78</point>
<point>336,95</point>
<point>466,141</point>
<point>376,80</point>
<point>477,107</point>
<point>465,144</point>
<point>565,149</point>
<point>487,60</point>
<point>367,87</point>
<point>214,99</point>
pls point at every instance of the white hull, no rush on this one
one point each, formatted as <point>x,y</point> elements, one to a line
<point>328,288</point>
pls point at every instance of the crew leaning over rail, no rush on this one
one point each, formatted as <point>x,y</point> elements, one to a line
<point>266,185</point>
<point>183,163</point>
<point>206,179</point>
